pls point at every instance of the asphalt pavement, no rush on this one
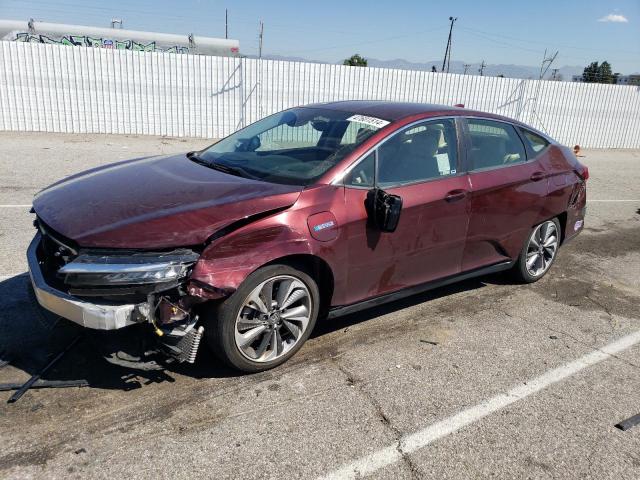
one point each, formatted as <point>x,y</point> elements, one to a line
<point>480,379</point>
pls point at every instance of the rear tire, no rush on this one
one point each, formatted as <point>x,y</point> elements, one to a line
<point>265,321</point>
<point>539,252</point>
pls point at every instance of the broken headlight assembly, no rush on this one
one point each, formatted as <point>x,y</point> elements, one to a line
<point>155,279</point>
<point>118,269</point>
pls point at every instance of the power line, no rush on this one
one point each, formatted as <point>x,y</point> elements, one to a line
<point>503,44</point>
<point>538,42</point>
<point>75,7</point>
<point>510,45</point>
<point>370,42</point>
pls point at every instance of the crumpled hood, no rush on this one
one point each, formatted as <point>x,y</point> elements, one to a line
<point>156,202</point>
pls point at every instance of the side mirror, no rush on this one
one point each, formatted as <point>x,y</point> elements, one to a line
<point>383,209</point>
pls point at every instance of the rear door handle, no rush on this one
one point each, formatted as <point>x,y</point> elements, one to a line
<point>537,176</point>
<point>455,195</point>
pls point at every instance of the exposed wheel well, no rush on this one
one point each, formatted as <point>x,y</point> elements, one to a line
<point>562,218</point>
<point>318,269</point>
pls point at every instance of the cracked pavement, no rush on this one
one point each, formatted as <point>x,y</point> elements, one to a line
<point>361,384</point>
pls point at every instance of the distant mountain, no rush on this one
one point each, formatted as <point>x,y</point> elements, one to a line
<point>508,70</point>
<point>287,58</point>
<point>491,70</point>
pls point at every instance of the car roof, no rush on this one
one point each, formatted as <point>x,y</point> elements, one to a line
<point>393,111</point>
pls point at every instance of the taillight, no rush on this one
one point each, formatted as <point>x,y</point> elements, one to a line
<point>585,173</point>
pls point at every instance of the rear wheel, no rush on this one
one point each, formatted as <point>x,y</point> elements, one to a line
<point>265,321</point>
<point>539,252</point>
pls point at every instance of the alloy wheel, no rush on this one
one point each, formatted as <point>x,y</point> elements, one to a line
<point>542,248</point>
<point>273,318</point>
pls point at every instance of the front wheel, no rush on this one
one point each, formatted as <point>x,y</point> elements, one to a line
<point>266,321</point>
<point>539,252</point>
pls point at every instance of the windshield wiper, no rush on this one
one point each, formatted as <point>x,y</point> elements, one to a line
<point>195,156</point>
<point>237,171</point>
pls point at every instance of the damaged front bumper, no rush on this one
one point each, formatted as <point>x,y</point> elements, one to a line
<point>168,310</point>
<point>88,314</point>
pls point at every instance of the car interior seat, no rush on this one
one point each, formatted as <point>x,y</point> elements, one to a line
<point>415,160</point>
<point>487,151</point>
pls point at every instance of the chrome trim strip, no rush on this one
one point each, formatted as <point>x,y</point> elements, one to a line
<point>74,267</point>
<point>337,180</point>
<point>90,315</point>
<point>514,123</point>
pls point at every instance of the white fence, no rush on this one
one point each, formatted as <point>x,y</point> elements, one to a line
<point>81,90</point>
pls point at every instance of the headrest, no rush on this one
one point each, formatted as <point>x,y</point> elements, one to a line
<point>426,141</point>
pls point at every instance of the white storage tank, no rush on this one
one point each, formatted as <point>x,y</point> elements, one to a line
<point>117,38</point>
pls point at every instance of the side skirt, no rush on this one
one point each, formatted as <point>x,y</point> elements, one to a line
<point>423,287</point>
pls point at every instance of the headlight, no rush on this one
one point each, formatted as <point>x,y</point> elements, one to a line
<point>135,269</point>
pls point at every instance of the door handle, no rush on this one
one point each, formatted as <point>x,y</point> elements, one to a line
<point>537,176</point>
<point>455,195</point>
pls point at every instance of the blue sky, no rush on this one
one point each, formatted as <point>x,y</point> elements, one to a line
<point>329,30</point>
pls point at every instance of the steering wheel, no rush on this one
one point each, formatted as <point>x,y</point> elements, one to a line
<point>364,178</point>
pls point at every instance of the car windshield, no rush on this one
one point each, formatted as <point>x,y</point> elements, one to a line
<point>294,147</point>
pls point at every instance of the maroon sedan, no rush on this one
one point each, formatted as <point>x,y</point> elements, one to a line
<point>315,211</point>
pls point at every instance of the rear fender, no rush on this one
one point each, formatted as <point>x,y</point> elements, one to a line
<point>566,191</point>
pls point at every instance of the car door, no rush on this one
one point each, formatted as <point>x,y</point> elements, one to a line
<point>507,192</point>
<point>420,165</point>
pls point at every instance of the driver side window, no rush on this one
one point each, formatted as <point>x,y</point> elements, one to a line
<point>362,174</point>
<point>422,152</point>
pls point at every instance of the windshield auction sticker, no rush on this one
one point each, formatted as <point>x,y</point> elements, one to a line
<point>373,121</point>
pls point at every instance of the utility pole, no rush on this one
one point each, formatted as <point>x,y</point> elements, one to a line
<point>546,61</point>
<point>481,69</point>
<point>544,66</point>
<point>447,52</point>
<point>116,20</point>
<point>554,73</point>
<point>261,35</point>
<point>466,67</point>
<point>226,23</point>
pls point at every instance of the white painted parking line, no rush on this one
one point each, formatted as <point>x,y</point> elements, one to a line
<point>386,456</point>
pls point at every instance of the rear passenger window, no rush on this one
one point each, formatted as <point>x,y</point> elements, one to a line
<point>536,142</point>
<point>494,144</point>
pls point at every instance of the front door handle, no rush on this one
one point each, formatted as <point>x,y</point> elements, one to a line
<point>455,195</point>
<point>537,176</point>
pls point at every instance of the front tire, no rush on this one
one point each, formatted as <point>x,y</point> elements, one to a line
<point>539,252</point>
<point>266,321</point>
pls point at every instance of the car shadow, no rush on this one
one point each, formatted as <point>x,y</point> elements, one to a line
<point>129,359</point>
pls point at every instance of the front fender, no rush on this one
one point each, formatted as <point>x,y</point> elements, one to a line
<point>229,260</point>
